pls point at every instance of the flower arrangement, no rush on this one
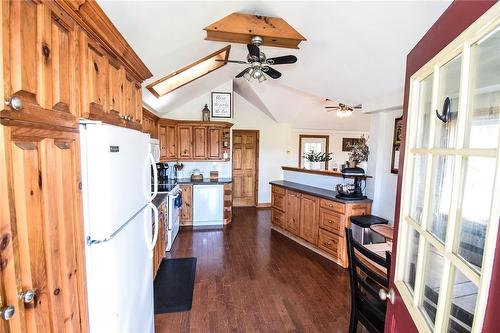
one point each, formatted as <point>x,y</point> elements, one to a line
<point>360,150</point>
<point>317,157</point>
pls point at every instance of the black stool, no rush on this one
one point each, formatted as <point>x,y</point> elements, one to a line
<point>360,225</point>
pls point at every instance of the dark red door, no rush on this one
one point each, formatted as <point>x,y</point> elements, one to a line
<point>458,17</point>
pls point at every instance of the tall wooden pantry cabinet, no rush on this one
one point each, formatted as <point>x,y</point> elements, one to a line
<point>61,60</point>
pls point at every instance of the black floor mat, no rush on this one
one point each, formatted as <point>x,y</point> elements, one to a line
<point>174,284</point>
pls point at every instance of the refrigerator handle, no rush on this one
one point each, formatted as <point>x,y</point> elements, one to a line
<point>156,226</point>
<point>155,177</point>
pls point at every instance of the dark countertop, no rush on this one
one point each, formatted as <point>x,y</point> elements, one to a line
<point>160,197</point>
<point>205,181</point>
<point>316,191</point>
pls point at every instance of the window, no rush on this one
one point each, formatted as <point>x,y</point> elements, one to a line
<point>314,143</point>
<point>450,204</point>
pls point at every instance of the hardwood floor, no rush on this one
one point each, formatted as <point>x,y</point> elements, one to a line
<point>252,279</point>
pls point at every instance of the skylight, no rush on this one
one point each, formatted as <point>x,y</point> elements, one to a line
<point>189,73</point>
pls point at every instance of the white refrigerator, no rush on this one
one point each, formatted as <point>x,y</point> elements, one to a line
<point>120,232</point>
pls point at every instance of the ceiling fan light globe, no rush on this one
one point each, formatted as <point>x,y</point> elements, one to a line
<point>262,78</point>
<point>257,74</point>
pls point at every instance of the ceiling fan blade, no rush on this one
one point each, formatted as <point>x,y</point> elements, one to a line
<point>288,59</point>
<point>254,51</point>
<point>359,106</point>
<point>234,61</point>
<point>271,72</point>
<point>332,107</point>
<point>243,72</point>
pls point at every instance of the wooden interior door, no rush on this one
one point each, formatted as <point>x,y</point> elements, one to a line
<point>245,167</point>
<point>42,230</point>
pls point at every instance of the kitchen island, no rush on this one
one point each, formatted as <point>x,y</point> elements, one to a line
<point>314,217</point>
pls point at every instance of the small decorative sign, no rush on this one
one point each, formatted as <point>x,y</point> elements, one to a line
<point>221,105</point>
<point>347,143</point>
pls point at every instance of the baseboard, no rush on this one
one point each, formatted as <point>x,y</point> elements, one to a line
<point>264,205</point>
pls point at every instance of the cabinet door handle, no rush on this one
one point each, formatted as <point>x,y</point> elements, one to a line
<point>27,296</point>
<point>330,221</point>
<point>15,102</point>
<point>7,312</point>
<point>327,243</point>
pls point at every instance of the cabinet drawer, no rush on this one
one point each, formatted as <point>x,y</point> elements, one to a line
<point>278,201</point>
<point>331,221</point>
<point>277,218</point>
<point>277,189</point>
<point>332,205</point>
<point>330,242</point>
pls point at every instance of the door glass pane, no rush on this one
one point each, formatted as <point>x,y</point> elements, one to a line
<point>476,205</point>
<point>442,182</point>
<point>418,187</point>
<point>449,86</point>
<point>463,303</point>
<point>424,112</point>
<point>485,92</point>
<point>411,258</point>
<point>433,270</point>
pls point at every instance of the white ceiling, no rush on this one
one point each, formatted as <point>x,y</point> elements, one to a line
<point>355,50</point>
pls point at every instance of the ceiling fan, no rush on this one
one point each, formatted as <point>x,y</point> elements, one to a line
<point>259,63</point>
<point>343,110</point>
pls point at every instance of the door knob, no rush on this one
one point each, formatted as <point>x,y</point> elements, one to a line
<point>27,296</point>
<point>15,102</point>
<point>7,312</point>
<point>387,295</point>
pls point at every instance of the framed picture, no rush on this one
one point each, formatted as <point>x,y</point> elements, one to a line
<point>221,105</point>
<point>396,144</point>
<point>348,142</point>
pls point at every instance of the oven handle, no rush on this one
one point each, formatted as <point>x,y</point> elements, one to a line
<point>155,177</point>
<point>156,226</point>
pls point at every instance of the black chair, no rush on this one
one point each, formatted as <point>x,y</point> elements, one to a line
<point>366,306</point>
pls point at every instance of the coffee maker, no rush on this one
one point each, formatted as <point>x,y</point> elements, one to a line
<point>162,171</point>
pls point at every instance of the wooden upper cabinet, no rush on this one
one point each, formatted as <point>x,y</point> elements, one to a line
<point>150,123</point>
<point>292,212</point>
<point>185,141</point>
<point>117,91</point>
<point>199,142</point>
<point>41,67</point>
<point>215,143</point>
<point>309,218</point>
<point>172,140</point>
<point>162,137</point>
<point>94,78</point>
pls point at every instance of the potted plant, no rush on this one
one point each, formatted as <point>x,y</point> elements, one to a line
<point>315,161</point>
<point>359,152</point>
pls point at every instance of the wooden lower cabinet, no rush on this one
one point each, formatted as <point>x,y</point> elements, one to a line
<point>160,247</point>
<point>292,212</point>
<point>309,222</point>
<point>41,230</point>
<point>317,221</point>
<point>187,205</point>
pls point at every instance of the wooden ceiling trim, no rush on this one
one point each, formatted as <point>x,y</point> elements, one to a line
<point>240,27</point>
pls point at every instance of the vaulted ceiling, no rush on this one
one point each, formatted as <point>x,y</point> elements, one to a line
<point>355,50</point>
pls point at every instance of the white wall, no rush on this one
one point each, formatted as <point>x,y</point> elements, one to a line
<point>273,141</point>
<point>382,187</point>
